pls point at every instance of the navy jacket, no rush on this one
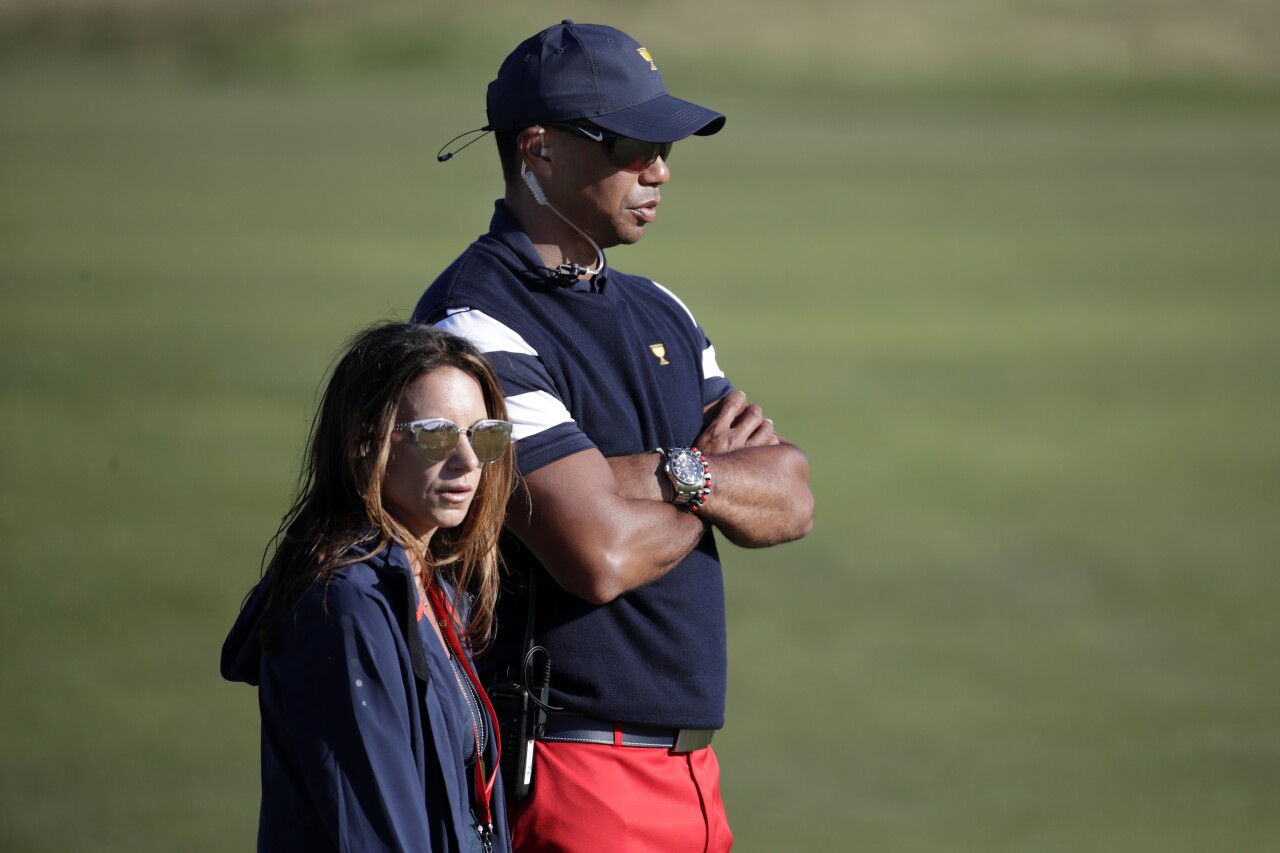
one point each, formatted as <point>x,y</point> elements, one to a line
<point>363,723</point>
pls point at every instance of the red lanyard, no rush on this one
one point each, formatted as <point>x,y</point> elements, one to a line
<point>484,789</point>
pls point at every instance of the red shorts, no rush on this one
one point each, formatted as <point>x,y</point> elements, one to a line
<point>591,798</point>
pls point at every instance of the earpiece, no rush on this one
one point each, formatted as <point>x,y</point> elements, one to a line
<point>531,180</point>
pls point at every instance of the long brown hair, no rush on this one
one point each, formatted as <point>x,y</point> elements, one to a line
<point>338,500</point>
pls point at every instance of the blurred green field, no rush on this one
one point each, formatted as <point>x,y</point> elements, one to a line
<point>1020,306</point>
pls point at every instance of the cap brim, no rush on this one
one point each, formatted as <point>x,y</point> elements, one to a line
<point>663,119</point>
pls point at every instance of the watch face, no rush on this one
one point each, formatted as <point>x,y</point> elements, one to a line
<point>685,468</point>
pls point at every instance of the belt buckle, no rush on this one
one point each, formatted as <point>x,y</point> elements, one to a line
<point>692,740</point>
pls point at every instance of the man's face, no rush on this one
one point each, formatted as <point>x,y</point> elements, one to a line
<point>612,205</point>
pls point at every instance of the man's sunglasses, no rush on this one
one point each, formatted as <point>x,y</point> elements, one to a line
<point>629,155</point>
<point>437,438</point>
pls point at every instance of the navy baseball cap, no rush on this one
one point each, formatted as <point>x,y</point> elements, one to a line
<point>570,72</point>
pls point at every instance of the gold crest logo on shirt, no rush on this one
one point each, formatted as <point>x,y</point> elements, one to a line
<point>653,66</point>
<point>660,350</point>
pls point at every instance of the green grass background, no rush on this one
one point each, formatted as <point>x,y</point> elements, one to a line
<point>1006,270</point>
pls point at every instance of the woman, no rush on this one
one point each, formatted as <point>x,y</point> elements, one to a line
<point>384,576</point>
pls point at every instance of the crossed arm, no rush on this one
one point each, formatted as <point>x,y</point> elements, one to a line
<point>602,526</point>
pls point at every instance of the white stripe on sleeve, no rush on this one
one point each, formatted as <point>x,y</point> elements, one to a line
<point>535,411</point>
<point>710,369</point>
<point>531,412</point>
<point>486,333</point>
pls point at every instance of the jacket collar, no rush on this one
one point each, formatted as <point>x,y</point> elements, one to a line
<point>394,561</point>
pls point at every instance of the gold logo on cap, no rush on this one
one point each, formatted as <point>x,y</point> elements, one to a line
<point>660,350</point>
<point>653,66</point>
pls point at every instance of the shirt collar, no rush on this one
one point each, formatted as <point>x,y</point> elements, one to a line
<point>505,228</point>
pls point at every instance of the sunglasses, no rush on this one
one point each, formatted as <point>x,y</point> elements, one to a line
<point>629,155</point>
<point>437,438</point>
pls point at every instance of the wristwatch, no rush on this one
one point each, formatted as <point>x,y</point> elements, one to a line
<point>686,467</point>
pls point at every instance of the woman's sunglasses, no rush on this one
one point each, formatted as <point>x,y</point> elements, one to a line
<point>629,155</point>
<point>437,438</point>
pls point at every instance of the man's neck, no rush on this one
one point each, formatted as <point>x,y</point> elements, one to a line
<point>556,243</point>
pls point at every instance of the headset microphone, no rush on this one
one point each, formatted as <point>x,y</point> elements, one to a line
<point>569,273</point>
<point>443,156</point>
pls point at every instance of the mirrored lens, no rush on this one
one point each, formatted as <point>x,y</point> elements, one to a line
<point>489,439</point>
<point>437,439</point>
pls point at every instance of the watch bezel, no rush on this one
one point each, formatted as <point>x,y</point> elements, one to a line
<point>685,490</point>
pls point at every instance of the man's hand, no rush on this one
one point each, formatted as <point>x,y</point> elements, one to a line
<point>760,481</point>
<point>734,423</point>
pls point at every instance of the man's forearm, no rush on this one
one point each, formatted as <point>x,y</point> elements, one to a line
<point>760,495</point>
<point>600,534</point>
<point>640,477</point>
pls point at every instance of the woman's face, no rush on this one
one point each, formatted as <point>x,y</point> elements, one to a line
<point>424,495</point>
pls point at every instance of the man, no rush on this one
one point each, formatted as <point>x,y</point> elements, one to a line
<point>632,445</point>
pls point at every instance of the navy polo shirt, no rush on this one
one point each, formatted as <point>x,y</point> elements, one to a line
<point>617,363</point>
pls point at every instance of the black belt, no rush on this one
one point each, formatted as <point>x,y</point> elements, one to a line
<point>571,728</point>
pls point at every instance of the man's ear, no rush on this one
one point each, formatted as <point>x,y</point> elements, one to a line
<point>532,145</point>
